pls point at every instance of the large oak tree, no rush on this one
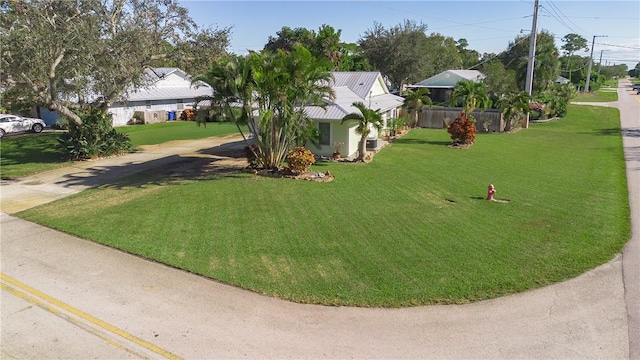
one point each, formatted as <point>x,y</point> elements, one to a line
<point>62,54</point>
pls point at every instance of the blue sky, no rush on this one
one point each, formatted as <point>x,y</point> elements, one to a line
<point>488,26</point>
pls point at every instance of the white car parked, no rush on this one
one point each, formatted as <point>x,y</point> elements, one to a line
<point>12,123</point>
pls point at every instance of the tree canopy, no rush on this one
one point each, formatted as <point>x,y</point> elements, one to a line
<point>547,62</point>
<point>63,54</point>
<point>323,44</point>
<point>398,52</point>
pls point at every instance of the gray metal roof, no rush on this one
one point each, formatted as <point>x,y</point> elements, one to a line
<point>469,74</point>
<point>160,72</point>
<point>166,93</point>
<point>449,78</point>
<point>343,104</point>
<point>359,82</point>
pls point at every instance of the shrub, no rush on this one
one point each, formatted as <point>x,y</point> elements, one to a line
<point>462,129</point>
<point>535,115</point>
<point>137,118</point>
<point>61,124</point>
<point>95,137</point>
<point>188,115</point>
<point>299,159</point>
<point>555,100</point>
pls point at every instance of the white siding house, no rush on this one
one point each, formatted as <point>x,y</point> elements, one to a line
<point>368,88</point>
<point>170,90</point>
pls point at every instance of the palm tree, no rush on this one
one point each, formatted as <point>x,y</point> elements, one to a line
<point>471,94</point>
<point>284,84</point>
<point>277,86</point>
<point>414,101</point>
<point>512,105</point>
<point>231,81</point>
<point>366,119</point>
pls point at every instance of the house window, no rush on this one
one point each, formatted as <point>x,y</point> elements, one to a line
<point>180,103</point>
<point>148,104</point>
<point>325,133</point>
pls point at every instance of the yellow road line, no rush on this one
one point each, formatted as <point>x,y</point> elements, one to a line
<point>71,319</point>
<point>89,318</point>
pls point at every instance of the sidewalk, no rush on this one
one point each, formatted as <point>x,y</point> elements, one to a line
<point>593,316</point>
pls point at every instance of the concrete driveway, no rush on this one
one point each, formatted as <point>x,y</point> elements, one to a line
<point>65,297</point>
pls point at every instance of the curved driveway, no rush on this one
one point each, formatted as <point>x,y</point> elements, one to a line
<point>65,297</point>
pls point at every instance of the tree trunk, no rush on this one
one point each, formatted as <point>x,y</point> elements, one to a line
<point>363,148</point>
<point>66,112</point>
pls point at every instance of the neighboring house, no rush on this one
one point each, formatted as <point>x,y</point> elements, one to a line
<point>562,80</point>
<point>169,90</point>
<point>441,85</point>
<point>349,87</point>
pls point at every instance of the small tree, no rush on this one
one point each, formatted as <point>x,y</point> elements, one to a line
<point>471,95</point>
<point>414,101</point>
<point>366,119</point>
<point>512,106</point>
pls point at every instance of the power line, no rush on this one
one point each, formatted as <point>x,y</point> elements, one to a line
<point>498,54</point>
<point>565,16</point>
<point>446,20</point>
<point>620,46</point>
<point>557,17</point>
<point>602,18</point>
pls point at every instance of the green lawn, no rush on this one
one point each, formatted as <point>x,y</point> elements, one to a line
<point>410,228</point>
<point>175,130</point>
<point>602,95</point>
<point>28,154</point>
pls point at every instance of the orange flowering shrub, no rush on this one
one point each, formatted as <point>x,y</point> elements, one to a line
<point>462,129</point>
<point>300,159</point>
<point>188,115</point>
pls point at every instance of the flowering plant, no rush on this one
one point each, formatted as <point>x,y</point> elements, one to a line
<point>300,159</point>
<point>536,106</point>
<point>462,129</point>
<point>188,115</point>
<point>337,145</point>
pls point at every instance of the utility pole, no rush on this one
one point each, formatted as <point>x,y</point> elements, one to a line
<point>532,56</point>
<point>593,43</point>
<point>600,61</point>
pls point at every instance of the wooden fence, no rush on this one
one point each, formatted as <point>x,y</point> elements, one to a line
<point>438,118</point>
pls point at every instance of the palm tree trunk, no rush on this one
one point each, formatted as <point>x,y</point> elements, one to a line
<point>363,147</point>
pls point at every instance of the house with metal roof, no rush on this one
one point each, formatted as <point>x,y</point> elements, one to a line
<point>169,90</point>
<point>442,84</point>
<point>368,88</point>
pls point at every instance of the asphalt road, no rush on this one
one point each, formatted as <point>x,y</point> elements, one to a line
<point>64,297</point>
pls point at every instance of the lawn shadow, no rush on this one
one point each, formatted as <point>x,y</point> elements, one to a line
<point>207,164</point>
<point>26,147</point>
<point>421,142</point>
<point>633,132</point>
